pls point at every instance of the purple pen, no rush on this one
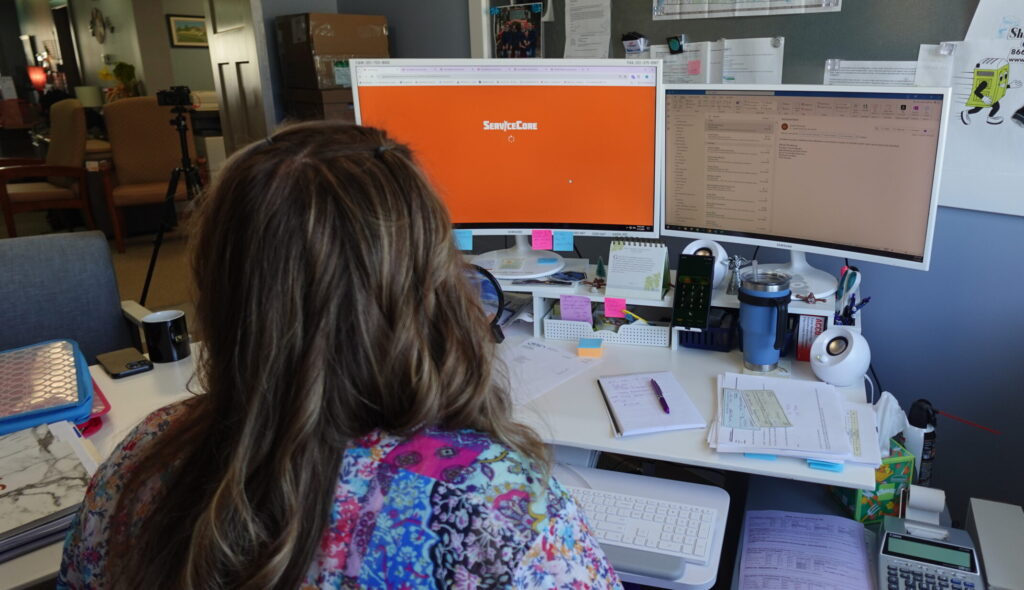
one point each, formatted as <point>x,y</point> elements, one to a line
<point>661,396</point>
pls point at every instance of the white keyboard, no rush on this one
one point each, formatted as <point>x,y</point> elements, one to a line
<point>655,526</point>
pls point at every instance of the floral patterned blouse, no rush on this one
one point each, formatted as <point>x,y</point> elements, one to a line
<point>436,510</point>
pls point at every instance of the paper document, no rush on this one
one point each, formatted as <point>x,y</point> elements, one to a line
<point>934,67</point>
<point>752,61</point>
<point>997,19</point>
<point>536,367</point>
<point>679,9</point>
<point>793,550</point>
<point>588,28</point>
<point>862,428</point>
<point>985,130</point>
<point>813,408</point>
<point>635,408</point>
<point>870,73</point>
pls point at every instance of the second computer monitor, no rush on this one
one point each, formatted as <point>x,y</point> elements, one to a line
<point>514,146</point>
<point>824,169</point>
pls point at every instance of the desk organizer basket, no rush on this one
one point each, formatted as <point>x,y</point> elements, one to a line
<point>43,383</point>
<point>891,478</point>
<point>640,334</point>
<point>720,338</point>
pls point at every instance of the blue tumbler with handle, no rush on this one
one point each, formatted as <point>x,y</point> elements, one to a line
<point>764,318</point>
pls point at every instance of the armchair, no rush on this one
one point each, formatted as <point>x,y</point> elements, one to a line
<point>65,186</point>
<point>146,149</point>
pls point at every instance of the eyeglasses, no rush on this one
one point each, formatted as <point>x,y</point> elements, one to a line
<point>491,297</point>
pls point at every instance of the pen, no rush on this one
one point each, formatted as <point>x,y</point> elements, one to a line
<point>661,397</point>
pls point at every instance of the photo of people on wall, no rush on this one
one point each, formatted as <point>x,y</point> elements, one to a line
<point>517,30</point>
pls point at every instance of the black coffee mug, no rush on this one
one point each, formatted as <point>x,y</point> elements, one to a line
<point>166,336</point>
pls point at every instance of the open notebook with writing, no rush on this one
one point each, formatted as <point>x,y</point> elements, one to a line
<point>635,408</point>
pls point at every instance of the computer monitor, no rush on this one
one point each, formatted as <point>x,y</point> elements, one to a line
<point>517,145</point>
<point>843,171</point>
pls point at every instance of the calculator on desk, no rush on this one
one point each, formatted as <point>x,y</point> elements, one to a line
<point>908,561</point>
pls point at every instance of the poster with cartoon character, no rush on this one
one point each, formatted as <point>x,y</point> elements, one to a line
<point>985,131</point>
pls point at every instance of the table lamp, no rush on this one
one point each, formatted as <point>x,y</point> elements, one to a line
<point>89,96</point>
<point>37,76</point>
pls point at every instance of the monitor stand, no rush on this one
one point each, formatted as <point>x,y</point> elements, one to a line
<point>520,261</point>
<point>805,278</point>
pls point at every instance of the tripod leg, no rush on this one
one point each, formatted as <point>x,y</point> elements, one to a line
<point>172,188</point>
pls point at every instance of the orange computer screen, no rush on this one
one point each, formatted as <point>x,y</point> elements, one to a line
<point>520,156</point>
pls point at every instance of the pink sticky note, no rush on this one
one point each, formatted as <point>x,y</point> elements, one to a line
<point>576,308</point>
<point>693,67</point>
<point>542,239</point>
<point>613,307</point>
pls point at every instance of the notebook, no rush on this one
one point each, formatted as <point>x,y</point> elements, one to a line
<point>634,406</point>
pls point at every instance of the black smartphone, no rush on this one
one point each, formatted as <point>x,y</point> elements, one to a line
<point>694,278</point>
<point>124,362</point>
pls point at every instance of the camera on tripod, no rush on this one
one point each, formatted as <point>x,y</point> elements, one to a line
<point>175,96</point>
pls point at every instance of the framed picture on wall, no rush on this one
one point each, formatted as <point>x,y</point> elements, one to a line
<point>187,31</point>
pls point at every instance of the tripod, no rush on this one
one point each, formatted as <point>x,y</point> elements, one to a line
<point>192,188</point>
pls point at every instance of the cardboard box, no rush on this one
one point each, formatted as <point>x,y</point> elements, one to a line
<point>891,478</point>
<point>305,104</point>
<point>313,49</point>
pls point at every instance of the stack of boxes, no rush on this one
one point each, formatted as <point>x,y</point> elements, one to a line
<point>313,51</point>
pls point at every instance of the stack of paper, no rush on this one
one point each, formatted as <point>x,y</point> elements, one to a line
<point>793,418</point>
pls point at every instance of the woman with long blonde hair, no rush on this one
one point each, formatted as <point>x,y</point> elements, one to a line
<point>352,432</point>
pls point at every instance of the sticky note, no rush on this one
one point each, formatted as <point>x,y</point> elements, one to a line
<point>590,347</point>
<point>576,308</point>
<point>541,239</point>
<point>614,306</point>
<point>547,261</point>
<point>563,241</point>
<point>693,67</point>
<point>463,239</point>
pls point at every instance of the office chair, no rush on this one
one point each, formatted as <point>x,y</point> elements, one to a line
<point>145,149</point>
<point>65,186</point>
<point>63,286</point>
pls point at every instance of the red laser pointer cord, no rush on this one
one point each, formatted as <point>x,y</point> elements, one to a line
<point>968,422</point>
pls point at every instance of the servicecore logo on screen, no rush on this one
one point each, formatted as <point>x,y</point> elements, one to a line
<point>510,126</point>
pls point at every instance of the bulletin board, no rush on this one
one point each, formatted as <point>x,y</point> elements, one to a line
<point>863,30</point>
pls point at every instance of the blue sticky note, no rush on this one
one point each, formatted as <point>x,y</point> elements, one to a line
<point>761,456</point>
<point>825,465</point>
<point>547,261</point>
<point>494,11</point>
<point>590,343</point>
<point>463,238</point>
<point>563,241</point>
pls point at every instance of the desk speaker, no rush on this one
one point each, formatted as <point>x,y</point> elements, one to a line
<point>840,356</point>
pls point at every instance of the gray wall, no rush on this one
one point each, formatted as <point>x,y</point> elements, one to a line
<point>439,28</point>
<point>952,334</point>
<point>190,66</point>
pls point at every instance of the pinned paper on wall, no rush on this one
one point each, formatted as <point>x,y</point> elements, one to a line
<point>463,239</point>
<point>575,308</point>
<point>680,9</point>
<point>563,241</point>
<point>614,307</point>
<point>985,130</point>
<point>541,239</point>
<point>693,67</point>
